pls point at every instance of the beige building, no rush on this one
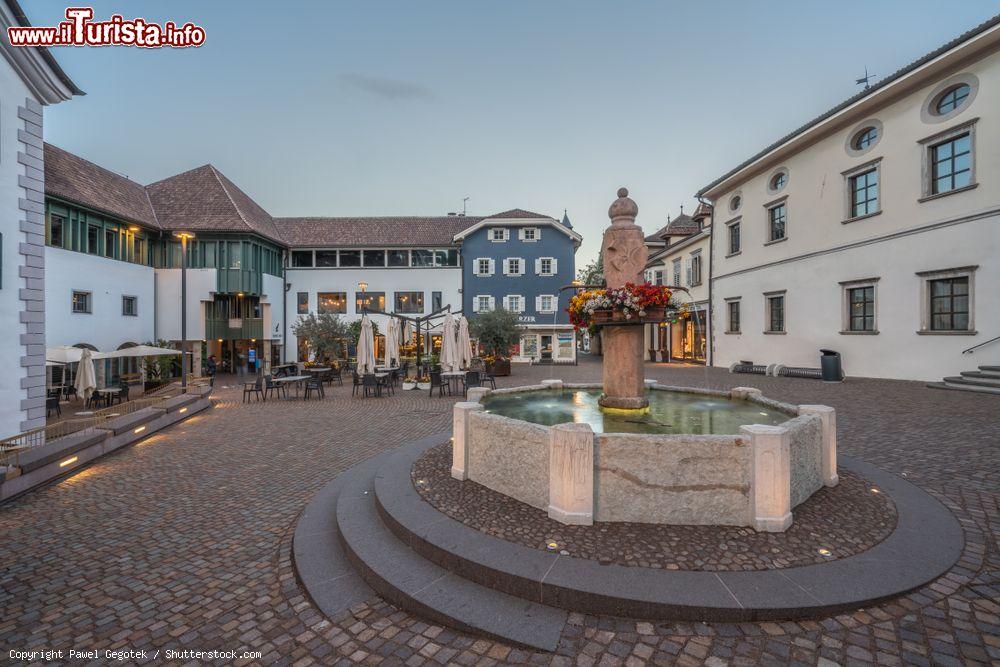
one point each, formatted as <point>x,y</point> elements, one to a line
<point>873,230</point>
<point>678,256</point>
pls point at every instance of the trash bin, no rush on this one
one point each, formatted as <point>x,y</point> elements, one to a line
<point>830,366</point>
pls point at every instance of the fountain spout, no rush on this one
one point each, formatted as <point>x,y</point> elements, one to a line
<point>625,255</point>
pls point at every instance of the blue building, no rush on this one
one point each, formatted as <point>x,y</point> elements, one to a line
<point>519,260</point>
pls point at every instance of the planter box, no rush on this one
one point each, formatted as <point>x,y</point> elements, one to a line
<point>499,368</point>
<point>423,385</point>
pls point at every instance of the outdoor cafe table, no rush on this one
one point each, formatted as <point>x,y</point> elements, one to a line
<point>108,393</point>
<point>297,380</point>
<point>453,377</point>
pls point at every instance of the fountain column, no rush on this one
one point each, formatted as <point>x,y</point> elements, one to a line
<point>625,254</point>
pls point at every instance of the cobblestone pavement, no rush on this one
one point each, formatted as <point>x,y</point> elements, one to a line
<point>843,521</point>
<point>183,541</point>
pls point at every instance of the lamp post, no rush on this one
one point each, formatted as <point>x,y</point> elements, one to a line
<point>364,300</point>
<point>184,237</point>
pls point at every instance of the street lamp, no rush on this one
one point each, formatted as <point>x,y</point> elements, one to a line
<point>184,237</point>
<point>364,300</point>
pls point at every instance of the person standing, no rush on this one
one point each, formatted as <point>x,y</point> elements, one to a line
<point>241,363</point>
<point>212,366</point>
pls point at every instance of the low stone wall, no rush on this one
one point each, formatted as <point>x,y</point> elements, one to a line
<point>753,479</point>
<point>675,479</point>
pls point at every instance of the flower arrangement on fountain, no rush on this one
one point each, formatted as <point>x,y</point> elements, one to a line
<point>642,302</point>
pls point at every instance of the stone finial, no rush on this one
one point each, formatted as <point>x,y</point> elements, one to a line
<point>623,210</point>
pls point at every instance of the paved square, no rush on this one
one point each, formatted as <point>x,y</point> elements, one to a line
<point>183,541</point>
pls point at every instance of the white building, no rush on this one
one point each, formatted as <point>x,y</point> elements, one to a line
<point>30,79</point>
<point>873,230</point>
<point>406,265</point>
<point>678,256</point>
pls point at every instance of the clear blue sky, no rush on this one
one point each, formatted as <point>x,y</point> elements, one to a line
<point>389,108</point>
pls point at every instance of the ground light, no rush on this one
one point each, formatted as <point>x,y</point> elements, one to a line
<point>70,460</point>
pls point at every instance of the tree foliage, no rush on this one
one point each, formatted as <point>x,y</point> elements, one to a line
<point>592,273</point>
<point>496,330</point>
<point>326,333</point>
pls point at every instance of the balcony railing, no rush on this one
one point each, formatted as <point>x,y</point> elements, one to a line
<point>234,329</point>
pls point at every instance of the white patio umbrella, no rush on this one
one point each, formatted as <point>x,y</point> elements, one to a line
<point>464,343</point>
<point>86,378</point>
<point>366,347</point>
<point>140,351</point>
<point>66,354</point>
<point>391,351</point>
<point>449,351</point>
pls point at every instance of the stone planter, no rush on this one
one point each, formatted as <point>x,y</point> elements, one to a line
<point>409,385</point>
<point>499,368</point>
<point>423,385</point>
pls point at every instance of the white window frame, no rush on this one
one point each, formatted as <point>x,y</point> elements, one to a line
<point>845,305</point>
<point>925,300</point>
<point>477,304</point>
<point>507,266</point>
<point>490,265</point>
<point>540,303</point>
<point>523,234</point>
<point>504,234</point>
<point>553,266</point>
<point>509,303</point>
<point>696,276</point>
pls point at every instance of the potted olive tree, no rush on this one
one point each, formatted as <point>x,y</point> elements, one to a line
<point>326,334</point>
<point>497,331</point>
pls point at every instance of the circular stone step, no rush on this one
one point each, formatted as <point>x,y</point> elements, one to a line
<point>926,542</point>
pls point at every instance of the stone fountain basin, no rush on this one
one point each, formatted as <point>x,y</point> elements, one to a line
<point>753,478</point>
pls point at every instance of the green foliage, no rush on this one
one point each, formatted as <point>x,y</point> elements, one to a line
<point>327,334</point>
<point>592,273</point>
<point>354,330</point>
<point>159,368</point>
<point>496,330</point>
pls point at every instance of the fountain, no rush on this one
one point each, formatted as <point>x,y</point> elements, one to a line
<point>625,451</point>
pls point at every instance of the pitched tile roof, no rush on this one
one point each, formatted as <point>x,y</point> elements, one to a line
<point>203,199</point>
<point>682,225</point>
<point>74,179</point>
<point>374,231</point>
<point>517,213</point>
<point>903,71</point>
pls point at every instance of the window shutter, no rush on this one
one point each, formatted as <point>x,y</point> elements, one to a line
<point>538,266</point>
<point>492,302</point>
<point>538,234</point>
<point>520,266</point>
<point>493,267</point>
<point>555,266</point>
<point>520,233</point>
<point>689,275</point>
<point>506,234</point>
<point>538,303</point>
<point>475,304</point>
<point>506,266</point>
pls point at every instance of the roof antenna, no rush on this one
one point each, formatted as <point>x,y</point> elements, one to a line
<point>866,79</point>
<point>682,209</point>
<point>464,199</point>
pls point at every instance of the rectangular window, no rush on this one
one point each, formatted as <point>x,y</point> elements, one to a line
<point>949,304</point>
<point>399,257</point>
<point>446,257</point>
<point>514,303</point>
<point>545,266</point>
<point>546,303</point>
<point>677,272</point>
<point>130,306</point>
<point>733,320</point>
<point>776,219</point>
<point>236,255</point>
<point>302,303</point>
<point>658,277</point>
<point>437,301</point>
<point>734,238</point>
<point>81,302</point>
<point>374,258</point>
<point>529,234</point>
<point>776,313</point>
<point>332,303</point>
<point>483,266</point>
<point>864,193</point>
<point>951,164</point>
<point>498,234</point>
<point>421,258</point>
<point>302,259</point>
<point>483,303</point>
<point>110,243</point>
<point>861,308</point>
<point>326,258</point>
<point>56,225</point>
<point>350,258</point>
<point>93,234</point>
<point>141,252</point>
<point>208,250</point>
<point>696,269</point>
<point>372,302</point>
<point>409,302</point>
<point>513,266</point>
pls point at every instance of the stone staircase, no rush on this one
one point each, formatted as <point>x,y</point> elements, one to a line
<point>986,380</point>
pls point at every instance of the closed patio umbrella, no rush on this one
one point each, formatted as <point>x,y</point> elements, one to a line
<point>464,343</point>
<point>391,353</point>
<point>449,350</point>
<point>86,381</point>
<point>366,347</point>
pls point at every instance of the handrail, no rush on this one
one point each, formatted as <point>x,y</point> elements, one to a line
<point>985,342</point>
